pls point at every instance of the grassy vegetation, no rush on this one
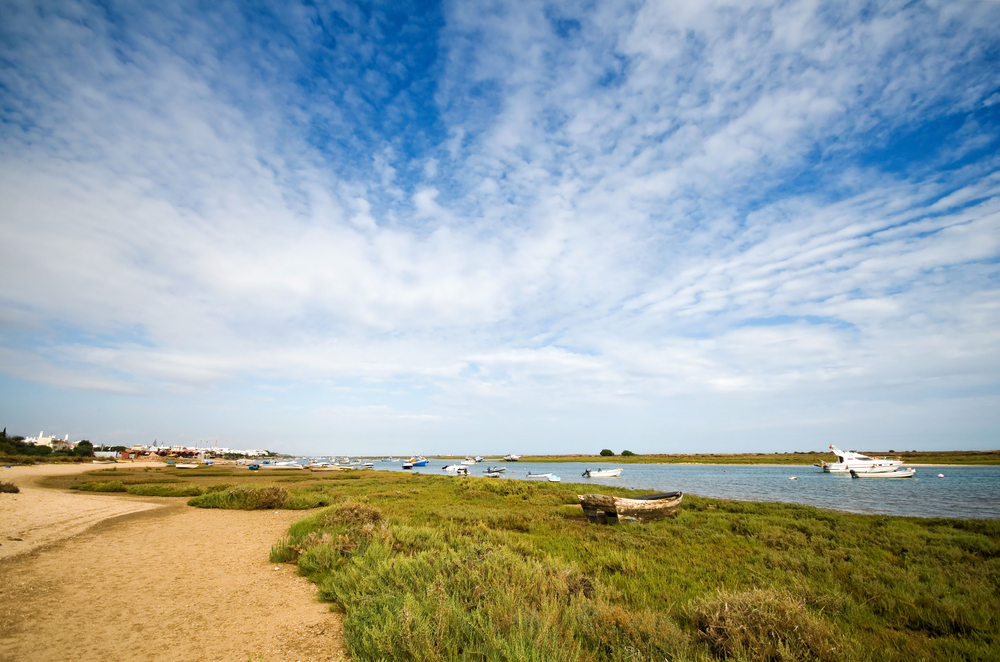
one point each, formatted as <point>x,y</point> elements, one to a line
<point>436,568</point>
<point>910,457</point>
<point>9,488</point>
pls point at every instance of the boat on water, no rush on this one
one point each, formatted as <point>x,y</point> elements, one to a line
<point>554,479</point>
<point>602,473</point>
<point>848,460</point>
<point>511,458</point>
<point>418,461</point>
<point>368,465</point>
<point>493,474</point>
<point>468,461</point>
<point>604,509</point>
<point>455,467</point>
<point>407,465</point>
<point>544,475</point>
<point>495,470</point>
<point>901,472</point>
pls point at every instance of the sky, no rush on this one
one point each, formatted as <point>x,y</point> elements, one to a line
<point>493,227</point>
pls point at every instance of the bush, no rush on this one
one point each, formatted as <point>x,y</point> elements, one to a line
<point>761,625</point>
<point>9,488</point>
<point>627,453</point>
<point>243,498</point>
<point>607,452</point>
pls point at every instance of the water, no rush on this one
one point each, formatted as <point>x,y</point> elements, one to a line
<point>964,492</point>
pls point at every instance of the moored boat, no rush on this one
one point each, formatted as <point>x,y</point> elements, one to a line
<point>418,461</point>
<point>544,475</point>
<point>605,509</point>
<point>407,465</point>
<point>602,473</point>
<point>185,466</point>
<point>848,460</point>
<point>511,458</point>
<point>902,472</point>
<point>495,470</point>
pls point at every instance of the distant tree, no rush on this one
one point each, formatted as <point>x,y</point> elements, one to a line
<point>607,452</point>
<point>84,449</point>
<point>627,453</point>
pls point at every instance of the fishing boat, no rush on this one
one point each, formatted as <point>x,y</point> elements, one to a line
<point>511,458</point>
<point>418,461</point>
<point>848,460</point>
<point>602,473</point>
<point>902,472</point>
<point>604,509</point>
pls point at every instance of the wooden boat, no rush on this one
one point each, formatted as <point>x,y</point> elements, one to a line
<point>602,473</point>
<point>604,509</point>
<point>903,472</point>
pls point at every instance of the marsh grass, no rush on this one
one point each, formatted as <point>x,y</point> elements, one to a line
<point>165,491</point>
<point>9,488</point>
<point>437,568</point>
<point>242,497</point>
<point>101,486</point>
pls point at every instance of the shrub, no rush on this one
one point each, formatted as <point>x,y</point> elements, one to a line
<point>761,625</point>
<point>243,498</point>
<point>9,488</point>
<point>627,454</point>
<point>607,452</point>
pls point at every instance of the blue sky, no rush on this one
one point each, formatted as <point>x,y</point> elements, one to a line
<point>502,227</point>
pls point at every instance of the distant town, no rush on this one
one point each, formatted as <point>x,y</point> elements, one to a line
<point>55,445</point>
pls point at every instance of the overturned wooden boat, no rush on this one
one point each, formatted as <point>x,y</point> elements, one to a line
<point>604,509</point>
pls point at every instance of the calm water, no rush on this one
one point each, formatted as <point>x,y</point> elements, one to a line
<point>966,492</point>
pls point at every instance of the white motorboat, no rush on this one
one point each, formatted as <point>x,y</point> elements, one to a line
<point>545,475</point>
<point>602,473</point>
<point>848,460</point>
<point>511,458</point>
<point>468,461</point>
<point>901,472</point>
<point>554,479</point>
<point>455,467</point>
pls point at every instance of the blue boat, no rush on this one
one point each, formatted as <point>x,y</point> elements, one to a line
<point>419,461</point>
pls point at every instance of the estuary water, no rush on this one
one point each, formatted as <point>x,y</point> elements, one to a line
<point>964,492</point>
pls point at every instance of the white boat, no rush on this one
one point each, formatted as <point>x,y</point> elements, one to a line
<point>554,479</point>
<point>902,472</point>
<point>455,467</point>
<point>848,460</point>
<point>545,475</point>
<point>468,461</point>
<point>493,474</point>
<point>185,466</point>
<point>602,473</point>
<point>511,458</point>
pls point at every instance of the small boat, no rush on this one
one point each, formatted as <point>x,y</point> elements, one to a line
<point>185,466</point>
<point>511,458</point>
<point>407,465</point>
<point>368,465</point>
<point>455,467</point>
<point>545,475</point>
<point>604,509</point>
<point>495,470</point>
<point>554,479</point>
<point>493,474</point>
<point>418,461</point>
<point>468,461</point>
<point>902,472</point>
<point>458,470</point>
<point>479,458</point>
<point>253,467</point>
<point>602,473</point>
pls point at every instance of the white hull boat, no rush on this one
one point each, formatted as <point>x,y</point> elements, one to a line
<point>602,473</point>
<point>852,460</point>
<point>902,472</point>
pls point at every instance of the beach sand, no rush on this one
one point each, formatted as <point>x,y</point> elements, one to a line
<point>115,577</point>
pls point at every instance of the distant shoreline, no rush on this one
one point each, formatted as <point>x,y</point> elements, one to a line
<point>919,458</point>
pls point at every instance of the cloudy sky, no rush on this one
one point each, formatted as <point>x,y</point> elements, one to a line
<point>501,226</point>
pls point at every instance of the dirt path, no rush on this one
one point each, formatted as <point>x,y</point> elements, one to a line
<point>168,582</point>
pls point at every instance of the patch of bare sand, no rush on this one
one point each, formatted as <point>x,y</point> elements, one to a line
<point>174,583</point>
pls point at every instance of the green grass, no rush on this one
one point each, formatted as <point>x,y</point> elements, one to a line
<point>437,568</point>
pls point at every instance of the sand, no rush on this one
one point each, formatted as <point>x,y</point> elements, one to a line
<point>116,577</point>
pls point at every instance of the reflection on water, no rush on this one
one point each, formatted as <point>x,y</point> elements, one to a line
<point>966,492</point>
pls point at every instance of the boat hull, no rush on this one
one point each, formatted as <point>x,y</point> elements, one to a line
<point>604,509</point>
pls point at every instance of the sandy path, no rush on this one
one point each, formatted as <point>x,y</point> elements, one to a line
<point>168,582</point>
